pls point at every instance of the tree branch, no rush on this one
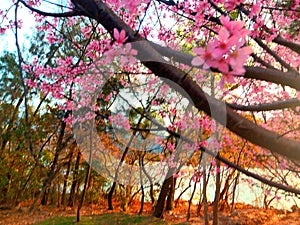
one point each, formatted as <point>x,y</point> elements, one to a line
<point>256,176</point>
<point>65,14</point>
<point>236,123</point>
<point>258,73</point>
<point>272,53</point>
<point>290,103</point>
<point>291,45</point>
<point>274,76</point>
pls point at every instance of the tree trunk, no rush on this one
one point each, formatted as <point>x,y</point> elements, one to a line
<point>170,197</point>
<point>75,181</point>
<point>151,193</point>
<point>111,192</point>
<point>159,208</point>
<point>206,219</point>
<point>87,177</point>
<point>217,194</point>
<point>45,196</point>
<point>142,200</point>
<point>109,197</point>
<point>142,184</point>
<point>233,191</point>
<point>54,167</point>
<point>63,195</point>
<point>178,198</point>
<point>190,202</point>
<point>224,195</point>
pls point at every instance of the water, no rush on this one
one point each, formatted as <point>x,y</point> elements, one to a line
<point>248,191</point>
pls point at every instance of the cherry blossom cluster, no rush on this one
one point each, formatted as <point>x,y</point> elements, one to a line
<point>132,7</point>
<point>83,81</point>
<point>6,24</point>
<point>226,52</point>
<point>120,121</point>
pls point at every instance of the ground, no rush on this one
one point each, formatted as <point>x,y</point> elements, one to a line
<point>242,215</point>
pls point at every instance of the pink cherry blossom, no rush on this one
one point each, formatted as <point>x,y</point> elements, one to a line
<point>255,9</point>
<point>224,43</point>
<point>226,77</point>
<point>205,54</point>
<point>120,37</point>
<point>128,55</point>
<point>237,58</point>
<point>120,121</point>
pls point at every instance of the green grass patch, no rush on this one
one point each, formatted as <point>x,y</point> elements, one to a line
<point>108,219</point>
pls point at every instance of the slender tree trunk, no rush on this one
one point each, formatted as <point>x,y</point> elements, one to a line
<point>159,208</point>
<point>206,219</point>
<point>53,169</point>
<point>217,194</point>
<point>142,200</point>
<point>45,196</point>
<point>199,203</point>
<point>142,184</point>
<point>177,200</point>
<point>188,215</point>
<point>233,191</point>
<point>224,195</point>
<point>75,180</point>
<point>87,177</point>
<point>63,195</point>
<point>109,197</point>
<point>151,192</point>
<point>113,187</point>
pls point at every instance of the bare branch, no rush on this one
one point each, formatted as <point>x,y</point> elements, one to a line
<point>291,45</point>
<point>257,177</point>
<point>65,14</point>
<point>272,53</point>
<point>274,76</point>
<point>290,103</point>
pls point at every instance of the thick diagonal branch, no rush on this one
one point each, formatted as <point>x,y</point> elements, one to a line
<point>236,123</point>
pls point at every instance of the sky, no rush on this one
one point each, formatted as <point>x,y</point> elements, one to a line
<point>28,26</point>
<point>8,39</point>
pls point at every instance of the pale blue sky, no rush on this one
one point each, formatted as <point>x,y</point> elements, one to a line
<point>8,40</point>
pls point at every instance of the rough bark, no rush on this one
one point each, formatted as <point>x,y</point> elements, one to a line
<point>170,197</point>
<point>160,205</point>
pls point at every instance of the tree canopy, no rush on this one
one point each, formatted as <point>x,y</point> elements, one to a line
<point>165,80</point>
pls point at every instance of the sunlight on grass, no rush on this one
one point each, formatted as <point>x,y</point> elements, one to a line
<point>108,219</point>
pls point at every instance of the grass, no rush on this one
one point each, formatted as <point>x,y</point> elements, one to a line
<point>108,219</point>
